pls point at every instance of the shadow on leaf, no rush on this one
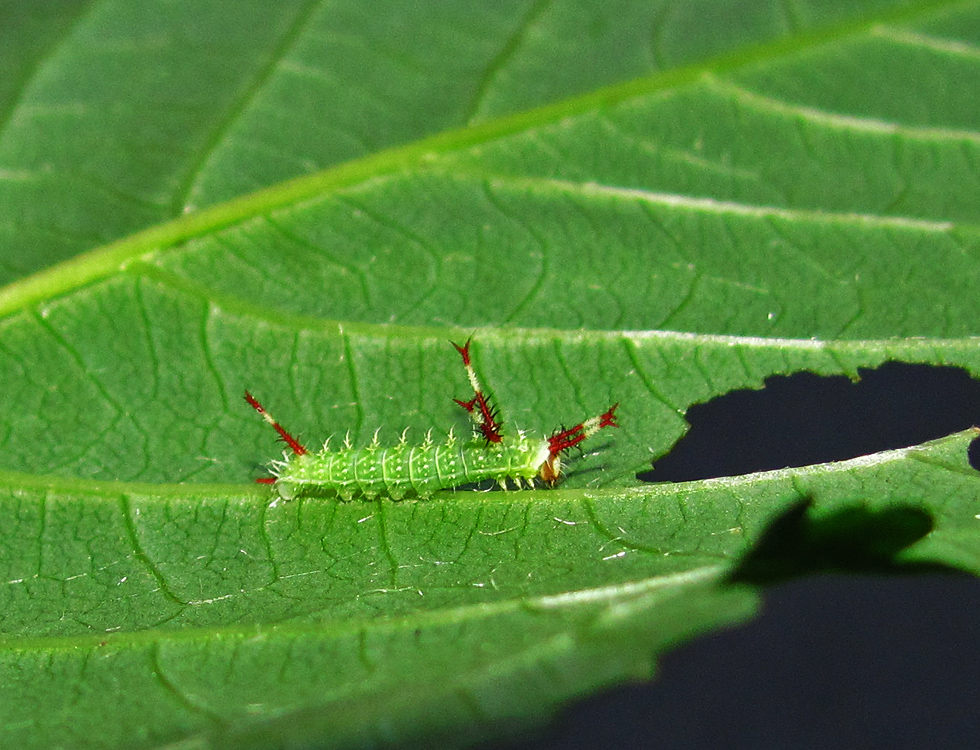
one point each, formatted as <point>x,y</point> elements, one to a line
<point>855,539</point>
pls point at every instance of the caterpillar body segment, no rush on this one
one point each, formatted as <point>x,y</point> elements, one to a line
<point>408,470</point>
<point>420,470</point>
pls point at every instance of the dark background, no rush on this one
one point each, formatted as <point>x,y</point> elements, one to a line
<point>836,660</point>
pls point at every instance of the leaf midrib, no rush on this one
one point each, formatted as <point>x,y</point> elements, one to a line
<point>99,263</point>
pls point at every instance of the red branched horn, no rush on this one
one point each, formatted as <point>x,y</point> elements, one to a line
<point>297,447</point>
<point>483,413</point>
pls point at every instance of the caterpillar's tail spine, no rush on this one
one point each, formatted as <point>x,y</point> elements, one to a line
<point>297,447</point>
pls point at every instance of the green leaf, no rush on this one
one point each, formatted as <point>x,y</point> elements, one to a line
<point>651,206</point>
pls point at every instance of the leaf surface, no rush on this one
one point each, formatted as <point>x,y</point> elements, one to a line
<point>648,206</point>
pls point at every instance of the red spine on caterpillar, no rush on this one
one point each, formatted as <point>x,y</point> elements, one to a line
<point>297,447</point>
<point>565,440</point>
<point>484,414</point>
<point>488,424</point>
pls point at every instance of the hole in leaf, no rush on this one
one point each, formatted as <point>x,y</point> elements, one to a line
<point>973,453</point>
<point>804,419</point>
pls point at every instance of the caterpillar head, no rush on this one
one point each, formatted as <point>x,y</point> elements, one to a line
<point>564,440</point>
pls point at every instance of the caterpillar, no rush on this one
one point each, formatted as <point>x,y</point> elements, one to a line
<point>420,470</point>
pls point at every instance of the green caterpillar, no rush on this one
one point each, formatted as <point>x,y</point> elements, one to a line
<point>420,470</point>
